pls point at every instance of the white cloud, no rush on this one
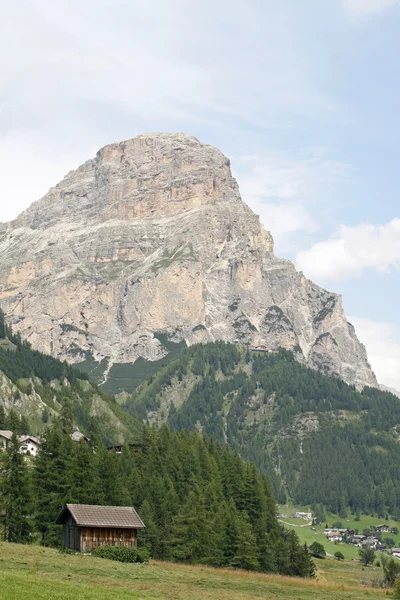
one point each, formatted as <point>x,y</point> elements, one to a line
<point>284,190</point>
<point>28,170</point>
<point>367,7</point>
<point>73,77</point>
<point>352,250</point>
<point>382,341</point>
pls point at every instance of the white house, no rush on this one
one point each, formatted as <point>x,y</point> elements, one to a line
<point>29,444</point>
<point>396,552</point>
<point>5,439</point>
<point>334,536</point>
<point>303,515</point>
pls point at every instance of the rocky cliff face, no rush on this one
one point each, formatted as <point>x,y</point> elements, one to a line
<point>151,237</point>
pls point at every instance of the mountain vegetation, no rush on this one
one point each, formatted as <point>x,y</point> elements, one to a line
<point>319,440</point>
<point>35,389</point>
<point>200,501</point>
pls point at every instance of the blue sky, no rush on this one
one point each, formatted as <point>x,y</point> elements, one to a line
<point>302,96</point>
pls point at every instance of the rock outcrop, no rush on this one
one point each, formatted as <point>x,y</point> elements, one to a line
<point>151,237</point>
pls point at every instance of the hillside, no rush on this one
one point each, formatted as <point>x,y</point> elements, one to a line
<point>149,245</point>
<point>35,389</point>
<point>45,574</point>
<point>319,439</point>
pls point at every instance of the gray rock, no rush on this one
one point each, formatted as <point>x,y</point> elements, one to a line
<point>151,236</point>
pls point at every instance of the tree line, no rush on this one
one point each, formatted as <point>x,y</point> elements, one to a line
<point>200,501</point>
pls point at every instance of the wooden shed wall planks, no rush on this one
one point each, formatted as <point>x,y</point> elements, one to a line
<point>91,537</point>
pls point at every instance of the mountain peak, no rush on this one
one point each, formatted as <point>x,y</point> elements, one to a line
<point>150,241</point>
<point>156,174</point>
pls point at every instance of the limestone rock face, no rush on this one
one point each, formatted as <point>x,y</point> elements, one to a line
<point>151,237</point>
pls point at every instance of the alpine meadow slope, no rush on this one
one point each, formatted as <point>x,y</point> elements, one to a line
<point>149,244</point>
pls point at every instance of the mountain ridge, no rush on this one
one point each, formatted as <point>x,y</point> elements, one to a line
<point>150,238</point>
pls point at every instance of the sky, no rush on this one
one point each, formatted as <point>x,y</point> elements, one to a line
<point>303,96</point>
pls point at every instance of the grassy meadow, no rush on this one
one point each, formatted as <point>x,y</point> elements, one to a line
<point>308,535</point>
<point>45,574</point>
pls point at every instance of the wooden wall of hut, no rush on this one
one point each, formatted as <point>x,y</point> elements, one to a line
<point>91,537</point>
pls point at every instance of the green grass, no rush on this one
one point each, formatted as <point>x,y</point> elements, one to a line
<point>45,574</point>
<point>125,377</point>
<point>306,534</point>
<point>93,368</point>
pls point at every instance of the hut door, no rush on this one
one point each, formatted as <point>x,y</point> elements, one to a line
<point>77,538</point>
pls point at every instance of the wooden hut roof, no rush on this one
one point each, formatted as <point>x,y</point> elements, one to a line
<point>86,515</point>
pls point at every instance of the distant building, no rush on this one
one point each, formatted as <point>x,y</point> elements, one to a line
<point>77,436</point>
<point>303,515</point>
<point>382,528</point>
<point>5,439</point>
<point>371,542</point>
<point>334,536</point>
<point>87,526</point>
<point>396,552</point>
<point>118,448</point>
<point>29,444</point>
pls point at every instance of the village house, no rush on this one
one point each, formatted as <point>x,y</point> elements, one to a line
<point>303,515</point>
<point>358,539</point>
<point>382,528</point>
<point>87,526</point>
<point>334,536</point>
<point>78,436</point>
<point>396,552</point>
<point>371,542</point>
<point>5,439</point>
<point>29,444</point>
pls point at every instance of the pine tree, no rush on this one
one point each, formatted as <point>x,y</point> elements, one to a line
<point>245,555</point>
<point>147,537</point>
<point>85,483</point>
<point>53,476</point>
<point>192,539</point>
<point>111,484</point>
<point>15,495</point>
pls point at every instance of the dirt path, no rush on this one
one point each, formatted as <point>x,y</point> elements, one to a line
<point>294,525</point>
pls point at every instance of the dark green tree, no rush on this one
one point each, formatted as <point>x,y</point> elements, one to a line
<point>367,555</point>
<point>15,495</point>
<point>391,570</point>
<point>317,550</point>
<point>53,478</point>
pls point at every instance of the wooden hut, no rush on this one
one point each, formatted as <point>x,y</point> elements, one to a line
<point>87,526</point>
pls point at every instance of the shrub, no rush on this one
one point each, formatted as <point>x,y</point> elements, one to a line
<point>317,550</point>
<point>339,555</point>
<point>123,554</point>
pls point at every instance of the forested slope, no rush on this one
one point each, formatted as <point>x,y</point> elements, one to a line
<point>200,502</point>
<point>36,388</point>
<point>319,439</point>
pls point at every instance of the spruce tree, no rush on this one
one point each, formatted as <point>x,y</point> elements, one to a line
<point>245,554</point>
<point>53,477</point>
<point>147,537</point>
<point>15,494</point>
<point>192,536</point>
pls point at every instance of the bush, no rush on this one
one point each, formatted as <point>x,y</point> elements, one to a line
<point>123,554</point>
<point>339,555</point>
<point>317,550</point>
